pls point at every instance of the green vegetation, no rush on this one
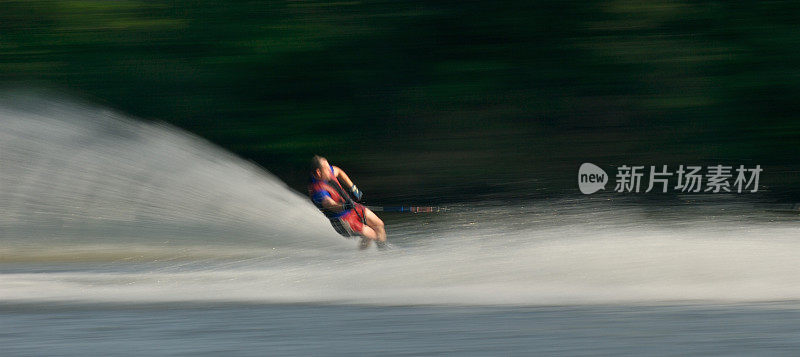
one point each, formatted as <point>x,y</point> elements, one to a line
<point>436,98</point>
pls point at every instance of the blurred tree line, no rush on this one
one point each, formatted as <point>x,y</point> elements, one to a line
<point>444,99</point>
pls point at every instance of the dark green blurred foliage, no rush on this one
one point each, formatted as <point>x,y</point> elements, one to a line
<point>421,99</point>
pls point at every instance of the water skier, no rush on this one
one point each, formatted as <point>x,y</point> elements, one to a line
<point>347,217</point>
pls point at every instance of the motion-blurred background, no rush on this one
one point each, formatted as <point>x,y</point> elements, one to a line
<point>430,101</point>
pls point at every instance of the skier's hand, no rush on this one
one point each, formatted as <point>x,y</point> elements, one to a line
<point>356,193</point>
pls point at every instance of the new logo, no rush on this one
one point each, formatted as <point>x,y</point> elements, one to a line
<point>591,178</point>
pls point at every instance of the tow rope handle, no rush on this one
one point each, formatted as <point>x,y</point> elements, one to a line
<point>338,188</point>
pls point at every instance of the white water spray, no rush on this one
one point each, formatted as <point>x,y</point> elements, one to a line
<point>76,174</point>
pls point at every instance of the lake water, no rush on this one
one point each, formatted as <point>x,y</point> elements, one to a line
<point>125,238</point>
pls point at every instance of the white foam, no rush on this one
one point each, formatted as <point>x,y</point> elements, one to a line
<point>522,268</point>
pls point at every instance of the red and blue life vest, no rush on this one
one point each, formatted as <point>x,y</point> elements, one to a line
<point>318,190</point>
